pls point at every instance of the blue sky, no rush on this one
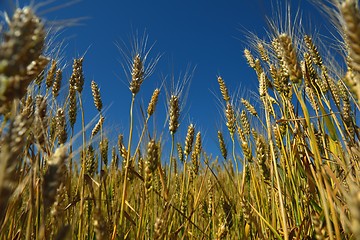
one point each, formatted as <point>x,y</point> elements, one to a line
<point>208,35</point>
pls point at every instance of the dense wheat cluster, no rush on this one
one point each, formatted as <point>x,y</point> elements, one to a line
<point>291,169</point>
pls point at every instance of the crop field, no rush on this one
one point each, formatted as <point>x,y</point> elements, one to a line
<point>291,169</point>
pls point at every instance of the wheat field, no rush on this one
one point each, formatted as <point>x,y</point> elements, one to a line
<point>291,169</point>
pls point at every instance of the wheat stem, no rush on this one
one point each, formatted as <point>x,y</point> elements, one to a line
<point>127,164</point>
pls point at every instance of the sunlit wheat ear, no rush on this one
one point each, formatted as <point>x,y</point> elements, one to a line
<point>23,42</point>
<point>11,148</point>
<point>54,175</point>
<point>344,94</point>
<point>90,164</point>
<point>290,58</point>
<point>262,85</point>
<point>121,147</point>
<point>114,158</point>
<point>249,58</point>
<point>104,148</point>
<point>261,155</point>
<point>351,15</point>
<point>245,122</point>
<point>57,83</point>
<point>195,155</point>
<point>28,107</point>
<point>174,113</point>
<point>72,106</point>
<point>180,152</point>
<point>96,95</point>
<point>246,150</point>
<point>20,54</point>
<point>223,89</point>
<point>138,65</point>
<point>250,108</point>
<point>309,72</point>
<point>51,74</point>
<point>77,77</point>
<point>137,74</point>
<point>40,120</point>
<point>198,144</point>
<point>61,126</point>
<point>151,162</point>
<point>36,69</point>
<point>263,52</point>
<point>316,58</point>
<point>230,119</point>
<point>97,127</point>
<point>153,102</point>
<point>189,140</point>
<point>222,145</point>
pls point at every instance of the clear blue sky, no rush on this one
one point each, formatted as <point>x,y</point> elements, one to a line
<point>206,34</point>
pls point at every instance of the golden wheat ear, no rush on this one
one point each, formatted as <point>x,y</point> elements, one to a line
<point>12,145</point>
<point>21,55</point>
<point>54,174</point>
<point>174,114</point>
<point>351,17</point>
